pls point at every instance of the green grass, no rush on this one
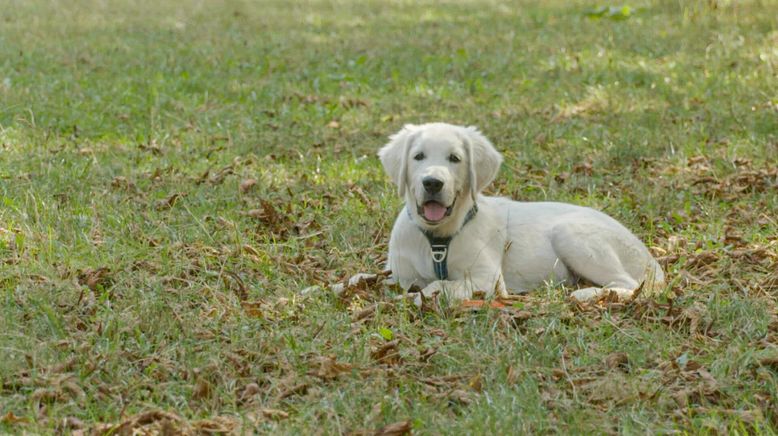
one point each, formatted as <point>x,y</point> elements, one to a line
<point>117,298</point>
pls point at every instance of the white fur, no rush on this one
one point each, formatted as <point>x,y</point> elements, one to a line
<point>509,246</point>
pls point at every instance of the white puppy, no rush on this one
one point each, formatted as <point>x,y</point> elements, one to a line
<point>450,239</point>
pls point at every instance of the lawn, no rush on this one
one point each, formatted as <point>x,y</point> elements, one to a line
<point>174,174</point>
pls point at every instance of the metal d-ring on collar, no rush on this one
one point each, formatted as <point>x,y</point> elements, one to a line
<point>439,245</point>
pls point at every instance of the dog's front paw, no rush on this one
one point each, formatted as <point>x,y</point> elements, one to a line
<point>427,297</point>
<point>589,294</point>
<point>433,289</point>
<point>445,291</point>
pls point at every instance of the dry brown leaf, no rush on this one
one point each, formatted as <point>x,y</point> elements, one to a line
<point>247,184</point>
<point>584,168</point>
<point>358,287</point>
<point>65,366</point>
<point>170,201</point>
<point>70,423</point>
<point>327,368</point>
<point>351,102</point>
<point>218,425</point>
<point>248,392</point>
<point>512,376</point>
<point>92,278</point>
<point>479,304</point>
<point>617,360</point>
<point>120,182</point>
<point>460,397</point>
<point>220,175</point>
<point>265,413</point>
<point>769,361</point>
<point>613,386</point>
<point>696,316</point>
<point>45,395</point>
<point>267,213</point>
<point>746,416</point>
<point>298,389</point>
<point>73,389</point>
<point>149,422</point>
<point>11,419</point>
<point>364,314</point>
<point>388,353</point>
<point>428,352</point>
<point>476,383</point>
<point>395,429</point>
<point>274,414</point>
<point>446,382</point>
<point>202,389</point>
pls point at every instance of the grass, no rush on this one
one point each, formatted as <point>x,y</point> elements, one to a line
<point>140,272</point>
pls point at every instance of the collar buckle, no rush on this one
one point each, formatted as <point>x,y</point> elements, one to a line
<point>439,252</point>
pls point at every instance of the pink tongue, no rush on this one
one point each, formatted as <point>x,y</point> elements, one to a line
<point>434,211</point>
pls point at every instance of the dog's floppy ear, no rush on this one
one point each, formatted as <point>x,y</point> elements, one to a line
<point>483,159</point>
<point>394,156</point>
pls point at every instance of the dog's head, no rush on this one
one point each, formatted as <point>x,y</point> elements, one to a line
<point>439,168</point>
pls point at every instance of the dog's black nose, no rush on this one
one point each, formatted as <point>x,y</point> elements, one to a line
<point>432,185</point>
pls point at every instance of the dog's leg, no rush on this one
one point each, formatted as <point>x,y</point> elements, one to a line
<point>604,256</point>
<point>652,283</point>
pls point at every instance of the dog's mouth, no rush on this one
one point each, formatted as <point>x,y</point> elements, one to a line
<point>434,212</point>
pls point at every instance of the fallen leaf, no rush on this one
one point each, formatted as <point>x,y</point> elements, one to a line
<point>247,184</point>
<point>358,285</point>
<point>425,355</point>
<point>478,304</point>
<point>298,389</point>
<point>120,182</point>
<point>11,419</point>
<point>149,422</point>
<point>327,368</point>
<point>274,414</point>
<point>267,213</point>
<point>218,425</point>
<point>70,423</point>
<point>94,278</point>
<point>394,429</point>
<point>613,386</point>
<point>366,313</point>
<point>170,201</point>
<point>583,168</point>
<point>618,360</point>
<point>512,376</point>
<point>746,416</point>
<point>387,353</point>
<point>249,392</point>
<point>460,397</point>
<point>515,318</point>
<point>202,389</point>
<point>476,383</point>
<point>769,361</point>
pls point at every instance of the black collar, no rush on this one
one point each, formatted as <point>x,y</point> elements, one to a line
<point>439,245</point>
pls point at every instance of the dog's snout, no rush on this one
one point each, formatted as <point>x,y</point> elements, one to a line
<point>432,185</point>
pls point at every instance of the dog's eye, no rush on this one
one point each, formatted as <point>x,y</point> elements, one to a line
<point>453,158</point>
<point>419,156</point>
